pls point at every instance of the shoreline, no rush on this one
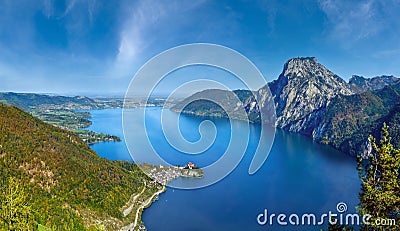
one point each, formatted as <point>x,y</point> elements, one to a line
<point>139,211</point>
<point>160,176</point>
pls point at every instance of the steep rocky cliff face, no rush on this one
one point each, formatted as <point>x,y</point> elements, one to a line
<point>300,95</point>
<point>302,92</point>
<point>311,100</point>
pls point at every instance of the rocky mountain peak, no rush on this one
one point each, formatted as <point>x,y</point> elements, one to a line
<point>307,68</point>
<point>303,89</point>
<point>296,66</point>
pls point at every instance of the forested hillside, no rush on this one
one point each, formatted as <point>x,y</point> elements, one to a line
<point>65,184</point>
<point>349,120</point>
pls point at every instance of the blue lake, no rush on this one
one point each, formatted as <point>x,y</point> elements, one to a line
<point>298,177</point>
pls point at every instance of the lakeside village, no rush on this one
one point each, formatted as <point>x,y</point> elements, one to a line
<point>164,174</point>
<point>160,176</point>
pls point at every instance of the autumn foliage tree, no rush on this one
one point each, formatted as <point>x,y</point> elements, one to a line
<point>380,191</point>
<point>15,210</point>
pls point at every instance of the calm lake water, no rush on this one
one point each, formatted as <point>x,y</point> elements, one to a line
<point>299,177</point>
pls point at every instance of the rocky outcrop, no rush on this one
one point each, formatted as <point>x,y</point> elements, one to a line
<point>302,92</point>
<point>361,84</point>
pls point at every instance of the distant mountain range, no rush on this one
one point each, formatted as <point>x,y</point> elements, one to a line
<point>311,100</point>
<point>29,101</point>
<point>363,84</point>
<point>25,101</point>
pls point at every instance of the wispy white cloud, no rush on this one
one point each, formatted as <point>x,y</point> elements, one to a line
<point>368,28</point>
<point>70,6</point>
<point>91,8</point>
<point>48,8</point>
<point>351,21</point>
<point>271,9</point>
<point>141,18</point>
<point>387,53</point>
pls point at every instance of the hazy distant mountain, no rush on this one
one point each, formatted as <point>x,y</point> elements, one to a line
<point>312,100</point>
<point>364,84</point>
<point>26,100</point>
<point>205,103</point>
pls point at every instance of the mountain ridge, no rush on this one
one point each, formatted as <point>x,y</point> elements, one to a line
<point>309,98</point>
<point>26,100</point>
<point>361,83</point>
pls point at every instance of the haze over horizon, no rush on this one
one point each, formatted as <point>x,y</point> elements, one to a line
<point>94,48</point>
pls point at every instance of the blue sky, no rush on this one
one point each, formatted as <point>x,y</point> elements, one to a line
<point>95,47</point>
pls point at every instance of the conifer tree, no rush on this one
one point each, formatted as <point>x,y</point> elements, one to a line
<point>380,190</point>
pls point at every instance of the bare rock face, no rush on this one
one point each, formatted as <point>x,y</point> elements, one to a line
<point>362,84</point>
<point>302,92</point>
<point>300,95</point>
